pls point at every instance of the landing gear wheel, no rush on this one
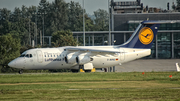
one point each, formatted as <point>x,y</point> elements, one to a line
<point>20,71</point>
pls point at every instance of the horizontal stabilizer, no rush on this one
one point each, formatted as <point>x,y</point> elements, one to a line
<point>159,22</point>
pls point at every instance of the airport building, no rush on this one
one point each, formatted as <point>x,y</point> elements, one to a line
<point>167,42</point>
<point>126,16</point>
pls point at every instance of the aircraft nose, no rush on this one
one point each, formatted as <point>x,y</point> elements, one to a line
<point>12,64</point>
<point>16,63</point>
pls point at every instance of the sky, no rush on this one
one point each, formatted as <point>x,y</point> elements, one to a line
<point>90,5</point>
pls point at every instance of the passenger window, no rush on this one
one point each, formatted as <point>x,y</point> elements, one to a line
<point>45,55</point>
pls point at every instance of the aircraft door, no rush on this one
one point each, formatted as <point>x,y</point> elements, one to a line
<point>39,56</point>
<point>24,62</point>
<point>122,55</point>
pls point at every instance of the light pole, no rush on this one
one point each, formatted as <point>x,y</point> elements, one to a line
<point>36,26</point>
<point>35,13</point>
<point>109,23</point>
<point>43,26</point>
<point>112,21</point>
<point>43,29</point>
<point>84,26</point>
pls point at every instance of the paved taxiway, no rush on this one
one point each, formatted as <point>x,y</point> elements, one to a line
<point>149,65</point>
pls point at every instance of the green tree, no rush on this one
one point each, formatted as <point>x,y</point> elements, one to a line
<point>17,15</point>
<point>43,6</point>
<point>89,25</point>
<point>63,38</point>
<point>24,11</point>
<point>4,14</point>
<point>5,27</point>
<point>9,50</point>
<point>43,10</point>
<point>75,18</point>
<point>56,17</point>
<point>20,23</point>
<point>75,13</point>
<point>101,20</point>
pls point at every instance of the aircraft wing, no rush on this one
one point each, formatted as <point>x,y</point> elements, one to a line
<point>93,51</point>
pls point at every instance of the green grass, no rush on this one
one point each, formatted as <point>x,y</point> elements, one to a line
<point>91,86</point>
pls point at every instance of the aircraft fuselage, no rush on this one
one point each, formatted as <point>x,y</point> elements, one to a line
<point>54,58</point>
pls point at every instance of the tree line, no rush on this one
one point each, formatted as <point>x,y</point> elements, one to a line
<point>56,19</point>
<point>55,16</point>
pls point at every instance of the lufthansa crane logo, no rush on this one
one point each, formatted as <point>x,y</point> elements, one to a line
<point>146,35</point>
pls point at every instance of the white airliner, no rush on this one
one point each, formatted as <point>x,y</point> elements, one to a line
<point>89,57</point>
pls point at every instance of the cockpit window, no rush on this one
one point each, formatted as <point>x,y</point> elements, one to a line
<point>27,55</point>
<point>22,55</point>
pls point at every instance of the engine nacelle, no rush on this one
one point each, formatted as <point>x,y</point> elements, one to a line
<point>70,58</point>
<point>83,59</point>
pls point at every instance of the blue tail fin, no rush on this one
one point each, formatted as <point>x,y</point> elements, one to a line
<point>144,35</point>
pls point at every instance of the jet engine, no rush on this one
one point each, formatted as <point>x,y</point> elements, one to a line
<point>70,58</point>
<point>83,59</point>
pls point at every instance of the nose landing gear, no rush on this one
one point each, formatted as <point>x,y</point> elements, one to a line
<point>20,71</point>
